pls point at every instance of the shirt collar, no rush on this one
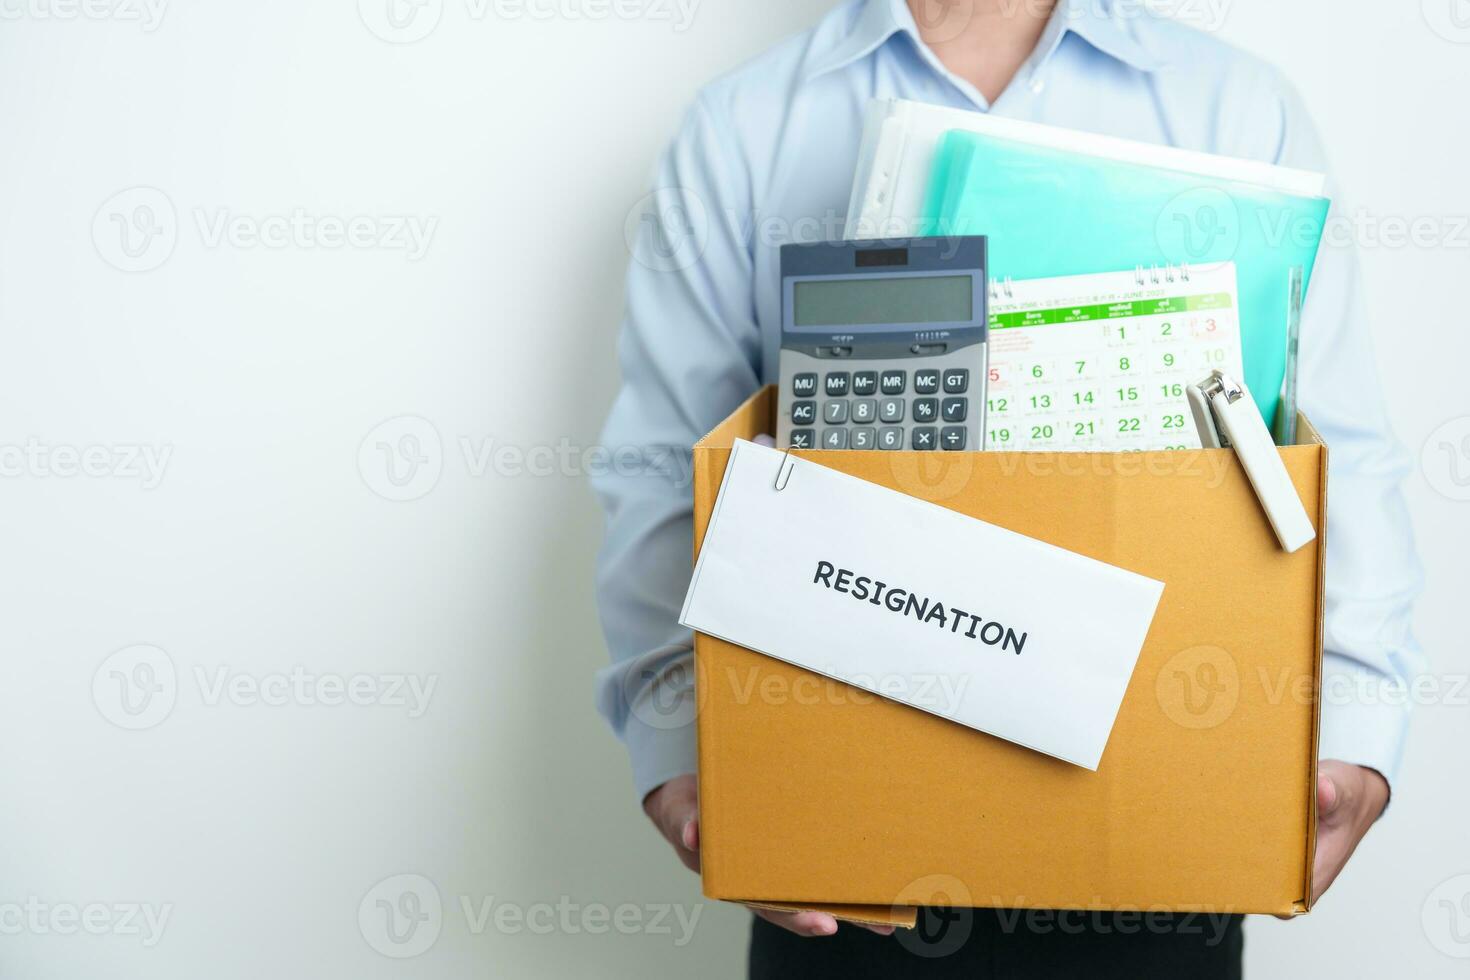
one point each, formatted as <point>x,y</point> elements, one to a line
<point>1098,22</point>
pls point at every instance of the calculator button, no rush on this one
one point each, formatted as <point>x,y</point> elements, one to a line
<point>954,409</point>
<point>865,383</point>
<point>925,409</point>
<point>864,438</point>
<point>891,410</point>
<point>926,382</point>
<point>890,438</point>
<point>804,385</point>
<point>803,413</point>
<point>802,439</point>
<point>894,381</point>
<point>926,437</point>
<point>834,411</point>
<point>864,411</point>
<point>956,381</point>
<point>834,438</point>
<point>953,437</point>
<point>837,383</point>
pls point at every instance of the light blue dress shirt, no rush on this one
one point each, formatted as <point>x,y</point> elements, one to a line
<point>766,156</point>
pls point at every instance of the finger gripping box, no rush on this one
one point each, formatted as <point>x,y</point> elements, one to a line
<point>817,794</point>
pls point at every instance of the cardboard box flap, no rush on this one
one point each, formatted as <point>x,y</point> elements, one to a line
<point>903,917</point>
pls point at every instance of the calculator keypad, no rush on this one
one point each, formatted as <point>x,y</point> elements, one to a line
<point>868,410</point>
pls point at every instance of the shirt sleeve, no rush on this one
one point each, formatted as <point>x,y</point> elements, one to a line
<point>1371,660</point>
<point>689,351</point>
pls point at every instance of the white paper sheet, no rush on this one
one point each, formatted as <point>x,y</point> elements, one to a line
<point>977,624</point>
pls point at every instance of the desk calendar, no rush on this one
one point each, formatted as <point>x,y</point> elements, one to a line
<point>1100,362</point>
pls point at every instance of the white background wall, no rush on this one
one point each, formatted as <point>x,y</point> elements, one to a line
<point>261,821</point>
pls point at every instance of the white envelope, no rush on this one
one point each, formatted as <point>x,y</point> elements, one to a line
<point>985,627</point>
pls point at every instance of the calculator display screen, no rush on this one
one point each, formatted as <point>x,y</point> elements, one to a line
<point>882,300</point>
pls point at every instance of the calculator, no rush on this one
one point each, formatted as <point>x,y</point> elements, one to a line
<point>883,344</point>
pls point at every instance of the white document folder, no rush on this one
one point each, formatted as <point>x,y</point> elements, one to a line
<point>900,137</point>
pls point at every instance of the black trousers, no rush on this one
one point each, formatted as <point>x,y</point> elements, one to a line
<point>1011,944</point>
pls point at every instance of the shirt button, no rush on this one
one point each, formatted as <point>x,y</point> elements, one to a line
<point>1038,86</point>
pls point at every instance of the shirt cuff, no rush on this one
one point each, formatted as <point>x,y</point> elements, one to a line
<point>1365,716</point>
<point>658,754</point>
<point>650,703</point>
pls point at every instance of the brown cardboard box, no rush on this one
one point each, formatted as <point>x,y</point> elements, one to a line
<point>816,794</point>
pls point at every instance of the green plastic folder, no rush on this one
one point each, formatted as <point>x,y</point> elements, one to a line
<point>1052,212</point>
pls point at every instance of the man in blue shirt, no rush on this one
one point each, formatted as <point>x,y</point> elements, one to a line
<point>766,156</point>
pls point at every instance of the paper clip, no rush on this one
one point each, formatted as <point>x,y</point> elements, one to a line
<point>783,472</point>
